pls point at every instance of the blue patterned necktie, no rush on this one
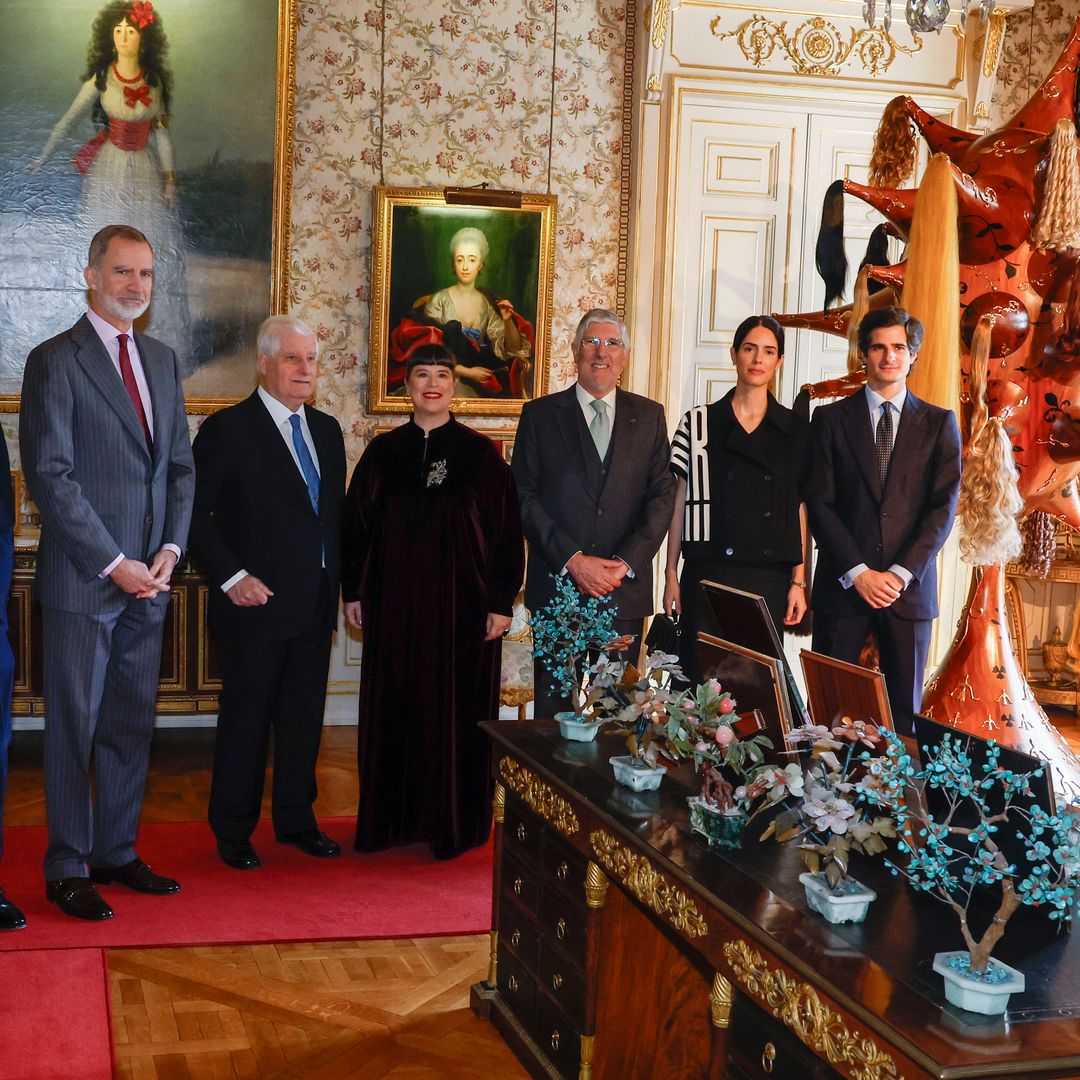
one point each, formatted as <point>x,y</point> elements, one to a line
<point>307,466</point>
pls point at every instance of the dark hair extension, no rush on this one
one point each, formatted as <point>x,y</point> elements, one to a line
<point>829,255</point>
<point>877,254</point>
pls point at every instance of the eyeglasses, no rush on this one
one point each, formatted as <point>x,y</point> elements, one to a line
<point>595,342</point>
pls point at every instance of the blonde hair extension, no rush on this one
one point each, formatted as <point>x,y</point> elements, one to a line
<point>989,499</point>
<point>859,307</point>
<point>977,373</point>
<point>932,286</point>
<point>895,146</point>
<point>1058,227</point>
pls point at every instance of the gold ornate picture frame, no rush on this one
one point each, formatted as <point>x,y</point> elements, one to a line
<point>501,336</point>
<point>206,174</point>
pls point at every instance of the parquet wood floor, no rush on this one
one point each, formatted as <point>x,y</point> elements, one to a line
<point>331,1010</point>
<point>324,1011</point>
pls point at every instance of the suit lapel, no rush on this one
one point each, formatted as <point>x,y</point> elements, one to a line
<point>155,381</point>
<point>282,463</point>
<point>567,415</point>
<point>624,436</point>
<point>860,437</point>
<point>909,444</point>
<point>92,356</point>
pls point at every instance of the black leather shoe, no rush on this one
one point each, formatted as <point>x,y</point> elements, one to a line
<point>11,918</point>
<point>77,897</point>
<point>239,854</point>
<point>135,875</point>
<point>313,842</point>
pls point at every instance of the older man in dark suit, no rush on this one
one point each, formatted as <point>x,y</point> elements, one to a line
<point>891,465</point>
<point>107,458</point>
<point>596,493</point>
<point>267,523</point>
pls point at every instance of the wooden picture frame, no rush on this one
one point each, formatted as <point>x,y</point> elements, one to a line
<point>414,292</point>
<point>755,681</point>
<point>219,227</point>
<point>835,689</point>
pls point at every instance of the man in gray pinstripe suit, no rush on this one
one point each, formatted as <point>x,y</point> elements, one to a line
<point>107,458</point>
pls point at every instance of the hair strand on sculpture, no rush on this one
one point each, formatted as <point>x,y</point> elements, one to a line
<point>1058,227</point>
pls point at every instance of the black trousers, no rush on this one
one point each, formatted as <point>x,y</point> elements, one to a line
<point>279,685</point>
<point>547,700</point>
<point>903,646</point>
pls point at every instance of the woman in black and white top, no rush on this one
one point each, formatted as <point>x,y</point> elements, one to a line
<point>744,466</point>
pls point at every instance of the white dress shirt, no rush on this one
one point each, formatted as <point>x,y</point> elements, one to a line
<point>281,414</point>
<point>874,401</point>
<point>110,338</point>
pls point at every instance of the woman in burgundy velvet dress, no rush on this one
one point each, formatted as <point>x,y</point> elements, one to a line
<point>432,558</point>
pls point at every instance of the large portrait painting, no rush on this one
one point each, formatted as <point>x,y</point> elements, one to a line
<point>169,115</point>
<point>476,279</point>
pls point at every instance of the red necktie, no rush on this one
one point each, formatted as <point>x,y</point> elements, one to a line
<point>132,388</point>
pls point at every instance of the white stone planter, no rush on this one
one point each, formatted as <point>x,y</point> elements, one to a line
<point>634,776</point>
<point>849,903</point>
<point>988,993</point>
<point>572,727</point>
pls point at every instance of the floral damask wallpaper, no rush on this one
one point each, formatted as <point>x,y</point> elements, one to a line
<point>459,92</point>
<point>1033,39</point>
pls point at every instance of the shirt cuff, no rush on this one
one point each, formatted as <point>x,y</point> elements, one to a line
<point>629,569</point>
<point>175,550</point>
<point>566,565</point>
<point>112,566</point>
<point>233,580</point>
<point>906,576</point>
<point>848,579</point>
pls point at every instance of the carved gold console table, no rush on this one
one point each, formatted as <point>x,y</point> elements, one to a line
<point>623,949</point>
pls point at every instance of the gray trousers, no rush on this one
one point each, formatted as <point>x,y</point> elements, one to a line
<point>101,677</point>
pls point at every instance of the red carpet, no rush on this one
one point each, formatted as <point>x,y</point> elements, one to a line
<point>55,1019</point>
<point>293,897</point>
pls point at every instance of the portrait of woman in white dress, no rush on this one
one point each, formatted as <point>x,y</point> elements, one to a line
<point>127,164</point>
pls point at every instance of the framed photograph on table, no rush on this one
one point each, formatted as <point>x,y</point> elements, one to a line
<point>475,279</point>
<point>835,690</point>
<point>174,117</point>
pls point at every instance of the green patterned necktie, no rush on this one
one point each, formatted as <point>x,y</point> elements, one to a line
<point>600,428</point>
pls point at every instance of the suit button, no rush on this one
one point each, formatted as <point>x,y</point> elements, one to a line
<point>884,514</point>
<point>729,551</point>
<point>149,519</point>
<point>767,515</point>
<point>767,552</point>
<point>599,513</point>
<point>767,476</point>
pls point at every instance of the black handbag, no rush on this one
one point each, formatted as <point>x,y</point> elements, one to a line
<point>664,634</point>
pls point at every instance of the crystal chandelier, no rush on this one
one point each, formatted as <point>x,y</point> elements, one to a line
<point>924,15</point>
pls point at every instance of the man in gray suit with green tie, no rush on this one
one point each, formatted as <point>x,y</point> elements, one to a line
<point>107,458</point>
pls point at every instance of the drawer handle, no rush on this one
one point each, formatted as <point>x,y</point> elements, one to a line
<point>555,1041</point>
<point>562,871</point>
<point>768,1057</point>
<point>515,938</point>
<point>556,981</point>
<point>560,929</point>
<point>513,984</point>
<point>521,832</point>
<point>517,886</point>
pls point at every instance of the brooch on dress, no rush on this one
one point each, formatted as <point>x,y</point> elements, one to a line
<point>437,474</point>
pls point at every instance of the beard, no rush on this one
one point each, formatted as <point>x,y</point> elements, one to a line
<point>129,310</point>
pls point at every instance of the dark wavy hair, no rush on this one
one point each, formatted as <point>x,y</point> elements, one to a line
<point>766,321</point>
<point>882,318</point>
<point>153,46</point>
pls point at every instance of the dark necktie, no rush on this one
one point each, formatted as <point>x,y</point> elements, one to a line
<point>128,375</point>
<point>884,441</point>
<point>307,466</point>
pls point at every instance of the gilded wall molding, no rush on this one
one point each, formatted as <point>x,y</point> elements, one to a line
<point>800,1008</point>
<point>649,885</point>
<point>816,46</point>
<point>553,808</point>
<point>995,34</point>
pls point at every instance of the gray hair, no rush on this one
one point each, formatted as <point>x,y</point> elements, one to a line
<point>104,237</point>
<point>274,328</point>
<point>600,315</point>
<point>469,235</point>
